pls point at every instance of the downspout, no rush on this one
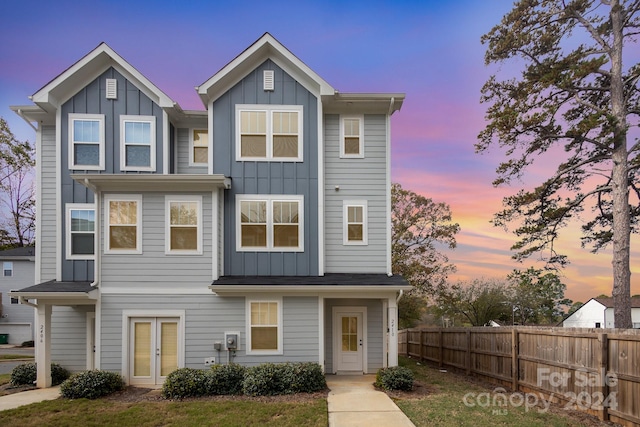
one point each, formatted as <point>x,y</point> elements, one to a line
<point>96,248</point>
<point>399,296</point>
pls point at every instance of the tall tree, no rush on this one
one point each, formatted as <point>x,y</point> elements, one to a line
<point>14,155</point>
<point>536,296</point>
<point>421,228</point>
<point>476,302</point>
<point>578,94</point>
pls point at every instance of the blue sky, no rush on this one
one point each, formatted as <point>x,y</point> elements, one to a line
<point>429,50</point>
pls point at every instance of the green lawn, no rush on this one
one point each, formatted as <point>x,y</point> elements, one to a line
<point>14,356</point>
<point>446,404</point>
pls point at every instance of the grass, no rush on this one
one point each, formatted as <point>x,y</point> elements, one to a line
<point>446,405</point>
<point>5,379</point>
<point>102,412</point>
<point>14,356</point>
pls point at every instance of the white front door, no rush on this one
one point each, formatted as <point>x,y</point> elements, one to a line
<point>153,349</point>
<point>349,345</point>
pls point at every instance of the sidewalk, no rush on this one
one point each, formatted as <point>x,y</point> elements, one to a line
<point>353,402</point>
<point>15,400</point>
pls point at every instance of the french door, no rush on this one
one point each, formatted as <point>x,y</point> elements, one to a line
<point>153,349</point>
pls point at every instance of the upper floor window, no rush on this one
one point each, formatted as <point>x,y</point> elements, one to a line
<point>269,132</point>
<point>123,225</point>
<point>184,224</point>
<point>86,141</point>
<point>7,268</point>
<point>269,223</point>
<point>199,147</point>
<point>351,136</point>
<point>81,223</point>
<point>137,143</point>
<point>355,222</point>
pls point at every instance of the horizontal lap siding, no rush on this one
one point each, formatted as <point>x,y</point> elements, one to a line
<point>69,337</point>
<point>47,220</point>
<point>183,154</point>
<point>207,318</point>
<point>153,268</point>
<point>358,179</point>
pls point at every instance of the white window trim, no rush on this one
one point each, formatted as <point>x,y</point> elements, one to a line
<point>280,324</point>
<point>4,269</point>
<point>343,155</point>
<point>345,224</point>
<point>270,199</point>
<point>167,203</point>
<point>269,110</point>
<point>152,143</point>
<point>192,161</point>
<point>124,198</point>
<point>12,299</point>
<point>72,162</point>
<point>85,207</point>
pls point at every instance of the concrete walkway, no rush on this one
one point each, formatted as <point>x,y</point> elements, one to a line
<point>353,402</point>
<point>15,400</point>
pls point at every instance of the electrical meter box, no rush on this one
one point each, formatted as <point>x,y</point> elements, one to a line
<point>232,340</point>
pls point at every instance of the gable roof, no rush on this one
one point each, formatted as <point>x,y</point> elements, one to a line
<point>88,68</point>
<point>266,47</point>
<point>608,302</point>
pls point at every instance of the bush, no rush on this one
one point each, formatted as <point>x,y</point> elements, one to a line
<point>225,379</point>
<point>306,377</point>
<point>27,344</point>
<point>91,385</point>
<point>26,374</point>
<point>271,379</point>
<point>395,378</point>
<point>185,382</point>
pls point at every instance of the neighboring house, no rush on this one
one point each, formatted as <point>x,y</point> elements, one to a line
<point>18,271</point>
<point>598,313</point>
<point>257,230</point>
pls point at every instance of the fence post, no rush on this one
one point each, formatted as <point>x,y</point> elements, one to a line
<point>440,348</point>
<point>422,332</point>
<point>514,359</point>
<point>604,366</point>
<point>468,352</point>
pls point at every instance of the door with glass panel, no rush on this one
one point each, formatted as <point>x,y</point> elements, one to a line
<point>349,341</point>
<point>153,349</point>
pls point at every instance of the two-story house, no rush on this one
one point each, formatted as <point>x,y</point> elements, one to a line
<point>16,320</point>
<point>257,230</point>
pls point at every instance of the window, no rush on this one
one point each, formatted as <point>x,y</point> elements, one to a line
<point>269,223</point>
<point>352,136</point>
<point>123,225</point>
<point>14,300</point>
<point>86,141</point>
<point>268,132</point>
<point>184,224</point>
<point>7,268</point>
<point>355,222</point>
<point>264,329</point>
<point>81,223</point>
<point>138,143</point>
<point>199,147</point>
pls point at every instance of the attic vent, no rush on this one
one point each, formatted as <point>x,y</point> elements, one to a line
<point>112,89</point>
<point>268,79</point>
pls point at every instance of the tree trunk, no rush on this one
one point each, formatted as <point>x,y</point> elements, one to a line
<point>619,182</point>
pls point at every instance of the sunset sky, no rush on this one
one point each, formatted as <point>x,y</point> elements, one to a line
<point>429,50</point>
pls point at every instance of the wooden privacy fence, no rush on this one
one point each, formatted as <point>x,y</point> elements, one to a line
<point>594,370</point>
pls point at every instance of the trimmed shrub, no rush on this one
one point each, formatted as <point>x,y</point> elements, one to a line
<point>306,377</point>
<point>395,378</point>
<point>185,382</point>
<point>270,379</point>
<point>91,385</point>
<point>26,374</point>
<point>225,379</point>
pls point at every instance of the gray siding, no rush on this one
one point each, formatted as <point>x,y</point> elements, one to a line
<point>375,331</point>
<point>299,178</point>
<point>153,268</point>
<point>207,319</point>
<point>47,245</point>
<point>92,100</point>
<point>17,319</point>
<point>69,337</point>
<point>183,154</point>
<point>359,179</point>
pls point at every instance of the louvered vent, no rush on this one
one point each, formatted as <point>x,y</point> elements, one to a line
<point>268,79</point>
<point>112,89</point>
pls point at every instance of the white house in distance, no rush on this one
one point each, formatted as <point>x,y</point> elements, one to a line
<point>18,271</point>
<point>598,313</point>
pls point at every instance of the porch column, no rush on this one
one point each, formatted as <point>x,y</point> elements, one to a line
<point>392,324</point>
<point>43,346</point>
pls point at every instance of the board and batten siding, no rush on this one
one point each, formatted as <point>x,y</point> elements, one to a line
<point>69,336</point>
<point>183,149</point>
<point>358,179</point>
<point>207,318</point>
<point>153,269</point>
<point>47,246</point>
<point>376,331</point>
<point>262,177</point>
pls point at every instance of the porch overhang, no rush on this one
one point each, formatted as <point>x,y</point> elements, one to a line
<point>363,284</point>
<point>62,293</point>
<point>152,182</point>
